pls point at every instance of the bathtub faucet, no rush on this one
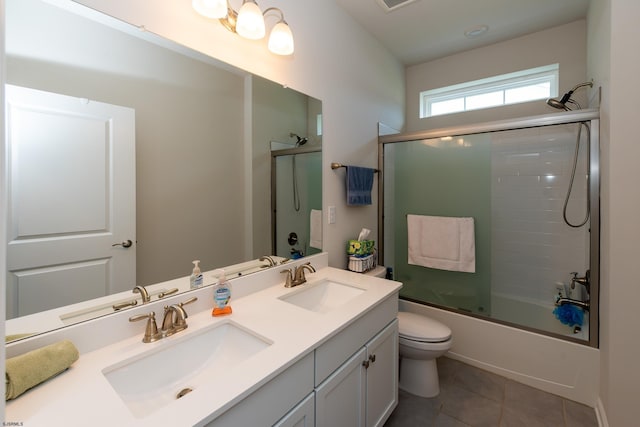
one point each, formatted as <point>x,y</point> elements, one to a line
<point>586,280</point>
<point>582,304</point>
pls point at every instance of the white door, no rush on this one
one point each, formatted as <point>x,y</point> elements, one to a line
<point>71,197</point>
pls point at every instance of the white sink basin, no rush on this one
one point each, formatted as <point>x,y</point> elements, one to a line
<point>323,296</point>
<point>154,379</point>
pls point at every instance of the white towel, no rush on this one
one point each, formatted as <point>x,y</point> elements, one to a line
<point>440,242</point>
<point>315,229</point>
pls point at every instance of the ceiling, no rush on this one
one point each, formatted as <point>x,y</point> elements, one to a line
<point>423,30</point>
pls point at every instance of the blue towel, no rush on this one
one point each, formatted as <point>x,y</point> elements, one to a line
<point>359,185</point>
<point>569,315</point>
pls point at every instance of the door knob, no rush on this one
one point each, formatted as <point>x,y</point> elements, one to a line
<point>126,244</point>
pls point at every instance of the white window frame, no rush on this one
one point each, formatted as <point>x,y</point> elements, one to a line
<point>545,74</point>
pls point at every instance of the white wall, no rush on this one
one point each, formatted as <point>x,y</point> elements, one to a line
<point>336,61</point>
<point>531,248</point>
<point>565,45</point>
<point>613,39</point>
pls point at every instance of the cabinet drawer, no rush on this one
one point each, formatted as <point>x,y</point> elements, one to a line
<point>331,354</point>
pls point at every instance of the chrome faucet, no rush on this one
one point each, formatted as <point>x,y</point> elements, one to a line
<point>582,304</point>
<point>143,293</point>
<point>298,276</point>
<point>585,281</point>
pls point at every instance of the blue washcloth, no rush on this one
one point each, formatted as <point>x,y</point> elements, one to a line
<point>569,314</point>
<point>359,185</point>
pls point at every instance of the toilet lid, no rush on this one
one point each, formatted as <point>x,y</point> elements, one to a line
<point>420,328</point>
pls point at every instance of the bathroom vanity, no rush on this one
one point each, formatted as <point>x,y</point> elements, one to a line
<point>323,353</point>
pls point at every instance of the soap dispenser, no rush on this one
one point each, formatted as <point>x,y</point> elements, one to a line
<point>196,279</point>
<point>221,296</point>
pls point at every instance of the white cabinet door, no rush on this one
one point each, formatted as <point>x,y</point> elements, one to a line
<point>382,375</point>
<point>303,415</point>
<point>71,185</point>
<point>340,399</point>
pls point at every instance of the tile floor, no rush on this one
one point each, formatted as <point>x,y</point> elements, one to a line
<point>471,397</point>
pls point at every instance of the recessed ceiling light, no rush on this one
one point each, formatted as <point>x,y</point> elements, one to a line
<point>476,31</point>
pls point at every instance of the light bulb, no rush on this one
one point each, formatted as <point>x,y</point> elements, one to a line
<point>281,39</point>
<point>211,8</point>
<point>250,24</point>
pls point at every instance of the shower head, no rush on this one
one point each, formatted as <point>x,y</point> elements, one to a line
<point>557,104</point>
<point>299,141</point>
<point>566,98</point>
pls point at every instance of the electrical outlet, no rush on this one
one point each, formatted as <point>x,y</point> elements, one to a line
<point>332,215</point>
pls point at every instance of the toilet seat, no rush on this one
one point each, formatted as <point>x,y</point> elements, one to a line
<point>419,328</point>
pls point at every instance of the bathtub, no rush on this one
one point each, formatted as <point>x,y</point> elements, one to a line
<point>561,367</point>
<point>535,315</point>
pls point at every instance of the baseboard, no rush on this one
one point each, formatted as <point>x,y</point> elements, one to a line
<point>601,414</point>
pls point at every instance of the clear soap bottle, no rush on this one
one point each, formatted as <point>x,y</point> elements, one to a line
<point>196,279</point>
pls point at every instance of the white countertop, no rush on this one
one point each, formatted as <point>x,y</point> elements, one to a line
<point>83,396</point>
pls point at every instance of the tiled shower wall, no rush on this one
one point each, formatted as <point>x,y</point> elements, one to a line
<point>532,248</point>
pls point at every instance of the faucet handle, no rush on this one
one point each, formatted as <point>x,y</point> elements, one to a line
<point>122,305</point>
<point>151,333</point>
<point>167,293</point>
<point>289,277</point>
<point>189,301</point>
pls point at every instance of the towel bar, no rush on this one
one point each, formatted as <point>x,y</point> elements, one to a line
<point>335,165</point>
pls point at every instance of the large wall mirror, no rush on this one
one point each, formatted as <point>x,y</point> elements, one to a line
<point>196,173</point>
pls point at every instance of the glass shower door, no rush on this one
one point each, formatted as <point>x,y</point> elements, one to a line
<point>513,183</point>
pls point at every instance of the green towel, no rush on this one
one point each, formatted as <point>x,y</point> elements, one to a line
<point>32,368</point>
<point>14,337</point>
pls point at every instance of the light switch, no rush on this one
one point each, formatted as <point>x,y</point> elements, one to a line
<point>332,215</point>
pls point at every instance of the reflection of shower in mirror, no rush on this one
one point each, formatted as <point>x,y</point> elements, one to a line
<point>294,176</point>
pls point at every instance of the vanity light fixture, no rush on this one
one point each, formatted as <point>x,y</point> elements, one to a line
<point>248,22</point>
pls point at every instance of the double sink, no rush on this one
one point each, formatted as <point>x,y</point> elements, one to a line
<point>174,368</point>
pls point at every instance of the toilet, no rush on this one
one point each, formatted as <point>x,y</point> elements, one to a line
<point>422,340</point>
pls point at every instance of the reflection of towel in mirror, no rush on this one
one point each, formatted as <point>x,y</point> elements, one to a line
<point>32,368</point>
<point>315,229</point>
<point>441,242</point>
<point>359,185</point>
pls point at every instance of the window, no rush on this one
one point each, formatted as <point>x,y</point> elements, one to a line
<point>512,88</point>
